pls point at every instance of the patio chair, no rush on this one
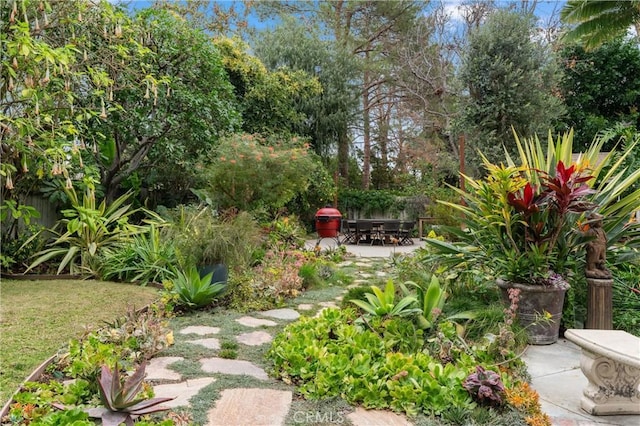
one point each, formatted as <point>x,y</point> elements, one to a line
<point>348,231</point>
<point>406,232</point>
<point>363,229</point>
<point>390,232</point>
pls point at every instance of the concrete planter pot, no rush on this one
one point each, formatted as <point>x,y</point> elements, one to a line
<point>536,302</point>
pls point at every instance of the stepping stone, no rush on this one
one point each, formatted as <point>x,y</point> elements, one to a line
<point>339,298</point>
<point>255,338</point>
<point>328,304</point>
<point>365,275</point>
<point>363,263</point>
<point>232,366</point>
<point>305,307</point>
<point>182,391</point>
<point>381,274</point>
<point>344,264</point>
<point>210,343</point>
<point>201,330</point>
<point>255,322</point>
<point>157,368</point>
<point>255,407</point>
<point>362,417</point>
<point>283,314</point>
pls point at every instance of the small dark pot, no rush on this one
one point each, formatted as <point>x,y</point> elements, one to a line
<point>534,301</point>
<point>220,272</point>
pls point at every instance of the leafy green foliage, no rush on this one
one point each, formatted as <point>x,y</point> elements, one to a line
<point>600,20</point>
<point>626,299</point>
<point>123,399</point>
<point>330,356</point>
<point>511,79</point>
<point>55,87</point>
<point>196,292</point>
<point>368,202</point>
<point>203,237</point>
<point>383,303</point>
<point>146,258</point>
<point>87,230</point>
<point>600,89</point>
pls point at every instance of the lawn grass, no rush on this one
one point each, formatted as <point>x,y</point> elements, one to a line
<point>38,317</point>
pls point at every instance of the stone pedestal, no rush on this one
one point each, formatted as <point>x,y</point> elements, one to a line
<point>599,304</point>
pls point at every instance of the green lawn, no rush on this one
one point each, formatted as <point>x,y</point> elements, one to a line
<point>38,317</point>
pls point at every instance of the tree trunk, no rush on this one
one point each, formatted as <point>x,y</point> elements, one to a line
<point>366,160</point>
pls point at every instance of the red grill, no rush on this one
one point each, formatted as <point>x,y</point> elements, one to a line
<point>328,222</point>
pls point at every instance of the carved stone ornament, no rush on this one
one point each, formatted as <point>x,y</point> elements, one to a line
<point>614,388</point>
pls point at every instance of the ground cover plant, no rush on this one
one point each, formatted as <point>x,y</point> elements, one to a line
<point>386,356</point>
<point>38,317</point>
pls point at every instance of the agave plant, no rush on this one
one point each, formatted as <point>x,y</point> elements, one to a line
<point>195,291</point>
<point>123,399</point>
<point>382,303</point>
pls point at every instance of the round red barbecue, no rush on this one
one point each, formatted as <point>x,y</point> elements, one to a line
<point>328,222</point>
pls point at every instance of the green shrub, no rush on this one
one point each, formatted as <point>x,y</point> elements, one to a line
<point>146,258</point>
<point>204,237</point>
<point>248,294</point>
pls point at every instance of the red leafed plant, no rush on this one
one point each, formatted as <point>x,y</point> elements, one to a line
<point>485,386</point>
<point>544,211</point>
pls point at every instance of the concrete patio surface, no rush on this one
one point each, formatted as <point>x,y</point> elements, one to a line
<point>367,250</point>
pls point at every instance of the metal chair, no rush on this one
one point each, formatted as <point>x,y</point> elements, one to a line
<point>390,232</point>
<point>348,231</point>
<point>406,232</point>
<point>363,229</point>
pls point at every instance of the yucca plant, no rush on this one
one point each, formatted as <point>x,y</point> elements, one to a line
<point>88,228</point>
<point>124,400</point>
<point>195,291</point>
<point>382,303</point>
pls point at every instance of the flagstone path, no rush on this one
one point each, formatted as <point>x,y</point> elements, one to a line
<point>253,406</point>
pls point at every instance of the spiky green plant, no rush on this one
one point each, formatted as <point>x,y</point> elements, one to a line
<point>195,291</point>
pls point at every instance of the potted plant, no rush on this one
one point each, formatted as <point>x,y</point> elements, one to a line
<point>213,243</point>
<point>522,223</point>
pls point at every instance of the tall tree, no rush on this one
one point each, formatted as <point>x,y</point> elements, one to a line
<point>601,88</point>
<point>270,101</point>
<point>598,21</point>
<point>52,89</point>
<point>152,129</point>
<point>511,81</point>
<point>330,113</point>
